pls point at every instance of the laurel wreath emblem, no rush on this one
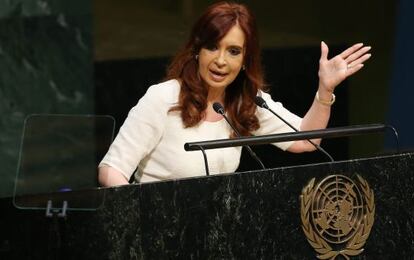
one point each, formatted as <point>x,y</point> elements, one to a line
<point>355,245</point>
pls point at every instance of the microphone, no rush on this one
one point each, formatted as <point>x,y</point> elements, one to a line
<point>262,103</point>
<point>219,109</point>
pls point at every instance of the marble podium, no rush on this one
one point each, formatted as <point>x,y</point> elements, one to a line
<point>248,215</point>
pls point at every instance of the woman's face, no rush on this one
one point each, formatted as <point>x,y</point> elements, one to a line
<point>220,64</point>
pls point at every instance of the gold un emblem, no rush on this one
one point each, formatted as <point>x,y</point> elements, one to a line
<point>337,215</point>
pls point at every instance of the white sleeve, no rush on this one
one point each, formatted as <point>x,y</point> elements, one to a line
<point>139,134</point>
<point>270,124</point>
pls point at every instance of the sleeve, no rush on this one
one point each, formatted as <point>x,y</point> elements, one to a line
<point>270,124</point>
<point>140,133</point>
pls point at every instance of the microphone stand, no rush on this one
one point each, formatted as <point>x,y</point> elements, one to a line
<point>218,108</point>
<point>262,103</point>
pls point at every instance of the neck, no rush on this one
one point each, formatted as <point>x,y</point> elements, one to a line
<point>215,96</point>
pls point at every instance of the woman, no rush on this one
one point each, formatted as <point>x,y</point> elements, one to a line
<point>220,63</point>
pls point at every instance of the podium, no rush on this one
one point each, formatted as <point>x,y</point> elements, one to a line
<point>247,215</point>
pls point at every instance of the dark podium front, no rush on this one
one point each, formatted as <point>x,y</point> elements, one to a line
<point>249,215</point>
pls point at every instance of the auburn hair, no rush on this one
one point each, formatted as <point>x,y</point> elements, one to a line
<point>239,103</point>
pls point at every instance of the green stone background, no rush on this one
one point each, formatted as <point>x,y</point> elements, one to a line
<point>45,67</point>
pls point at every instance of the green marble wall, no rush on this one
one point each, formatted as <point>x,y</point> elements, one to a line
<point>45,67</point>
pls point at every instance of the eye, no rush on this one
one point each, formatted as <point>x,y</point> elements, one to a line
<point>234,51</point>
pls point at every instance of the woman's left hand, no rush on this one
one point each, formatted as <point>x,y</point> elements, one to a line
<point>334,71</point>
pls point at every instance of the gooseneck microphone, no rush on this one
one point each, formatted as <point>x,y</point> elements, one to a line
<point>262,103</point>
<point>219,109</point>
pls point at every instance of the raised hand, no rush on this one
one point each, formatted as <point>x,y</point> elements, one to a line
<point>334,71</point>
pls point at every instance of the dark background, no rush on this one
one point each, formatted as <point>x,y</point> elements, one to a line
<point>149,33</point>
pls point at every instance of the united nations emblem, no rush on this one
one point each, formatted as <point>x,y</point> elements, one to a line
<point>337,215</point>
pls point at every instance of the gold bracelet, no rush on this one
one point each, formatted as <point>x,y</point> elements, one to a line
<point>324,102</point>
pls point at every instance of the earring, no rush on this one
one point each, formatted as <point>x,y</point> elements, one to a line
<point>196,57</point>
<point>244,67</point>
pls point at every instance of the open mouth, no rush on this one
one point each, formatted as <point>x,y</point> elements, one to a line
<point>217,76</point>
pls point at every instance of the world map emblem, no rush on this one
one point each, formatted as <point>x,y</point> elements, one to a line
<point>337,215</point>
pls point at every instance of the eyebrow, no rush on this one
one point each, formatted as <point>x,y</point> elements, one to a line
<point>236,46</point>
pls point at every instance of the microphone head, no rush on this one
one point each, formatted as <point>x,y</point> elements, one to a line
<point>260,102</point>
<point>218,108</point>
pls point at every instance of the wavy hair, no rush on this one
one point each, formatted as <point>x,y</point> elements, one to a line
<point>209,29</point>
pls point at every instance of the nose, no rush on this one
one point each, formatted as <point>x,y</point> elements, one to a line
<point>220,59</point>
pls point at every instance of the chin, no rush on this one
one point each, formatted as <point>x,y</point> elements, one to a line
<point>218,85</point>
<point>221,84</point>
